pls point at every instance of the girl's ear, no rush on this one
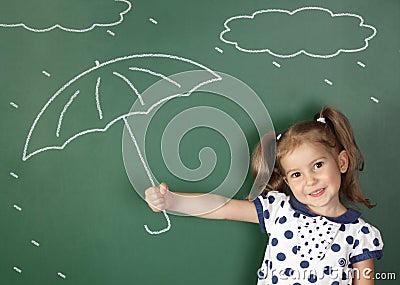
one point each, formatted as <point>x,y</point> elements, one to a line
<point>343,161</point>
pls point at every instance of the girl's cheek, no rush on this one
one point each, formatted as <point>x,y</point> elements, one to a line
<point>294,181</point>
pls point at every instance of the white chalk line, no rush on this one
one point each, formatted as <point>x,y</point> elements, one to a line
<point>155,74</point>
<point>99,111</point>
<point>111,33</point>
<point>361,64</point>
<point>17,269</point>
<point>143,161</point>
<point>153,21</point>
<point>46,73</point>
<point>14,105</point>
<point>66,106</point>
<point>160,231</point>
<point>374,99</point>
<point>62,275</point>
<point>128,127</point>
<point>130,85</point>
<point>14,175</point>
<point>276,64</point>
<point>26,155</point>
<point>328,82</point>
<point>18,208</point>
<point>121,18</point>
<point>219,50</point>
<point>227,29</point>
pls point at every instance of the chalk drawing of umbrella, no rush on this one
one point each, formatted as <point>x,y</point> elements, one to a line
<point>51,122</point>
<point>82,99</point>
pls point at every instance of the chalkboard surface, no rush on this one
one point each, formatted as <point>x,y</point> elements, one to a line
<point>76,74</point>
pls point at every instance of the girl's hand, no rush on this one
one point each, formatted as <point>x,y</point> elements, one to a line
<point>158,197</point>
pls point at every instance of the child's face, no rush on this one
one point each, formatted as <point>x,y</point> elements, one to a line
<point>314,174</point>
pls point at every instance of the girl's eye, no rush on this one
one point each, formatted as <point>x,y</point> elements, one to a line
<point>318,164</point>
<point>295,175</point>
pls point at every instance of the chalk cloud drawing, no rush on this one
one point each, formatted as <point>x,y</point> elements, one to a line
<point>272,30</point>
<point>22,10</point>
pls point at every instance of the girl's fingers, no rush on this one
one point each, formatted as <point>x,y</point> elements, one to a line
<point>158,204</point>
<point>153,193</point>
<point>163,188</point>
<point>155,197</point>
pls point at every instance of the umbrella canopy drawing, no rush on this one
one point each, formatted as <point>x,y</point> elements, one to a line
<point>81,100</point>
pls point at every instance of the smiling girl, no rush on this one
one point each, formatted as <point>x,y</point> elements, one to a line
<point>314,237</point>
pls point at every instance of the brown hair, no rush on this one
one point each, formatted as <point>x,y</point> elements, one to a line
<point>335,133</point>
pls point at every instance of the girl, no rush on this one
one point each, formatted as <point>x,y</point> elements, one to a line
<point>313,237</point>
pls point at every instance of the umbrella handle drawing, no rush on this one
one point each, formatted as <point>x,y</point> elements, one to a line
<point>131,135</point>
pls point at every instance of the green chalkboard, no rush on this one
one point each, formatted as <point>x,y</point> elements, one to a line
<point>77,76</point>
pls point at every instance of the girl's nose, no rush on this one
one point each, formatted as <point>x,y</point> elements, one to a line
<point>311,179</point>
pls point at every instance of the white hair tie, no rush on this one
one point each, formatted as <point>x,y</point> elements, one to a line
<point>321,120</point>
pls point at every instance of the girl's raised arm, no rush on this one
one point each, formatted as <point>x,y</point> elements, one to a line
<point>208,206</point>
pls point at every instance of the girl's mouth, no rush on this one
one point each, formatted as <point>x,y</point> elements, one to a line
<point>318,193</point>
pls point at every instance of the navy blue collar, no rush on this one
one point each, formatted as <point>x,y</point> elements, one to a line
<point>349,217</point>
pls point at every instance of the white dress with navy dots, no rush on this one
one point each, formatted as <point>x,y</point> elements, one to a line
<point>305,248</point>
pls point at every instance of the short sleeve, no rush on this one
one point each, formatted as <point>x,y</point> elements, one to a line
<point>367,244</point>
<point>267,207</point>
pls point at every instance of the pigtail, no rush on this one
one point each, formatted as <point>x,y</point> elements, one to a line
<point>338,123</point>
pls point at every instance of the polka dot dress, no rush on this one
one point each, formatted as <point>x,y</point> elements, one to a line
<point>305,248</point>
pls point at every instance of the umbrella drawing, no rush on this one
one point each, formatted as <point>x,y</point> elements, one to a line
<point>84,106</point>
<point>60,104</point>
